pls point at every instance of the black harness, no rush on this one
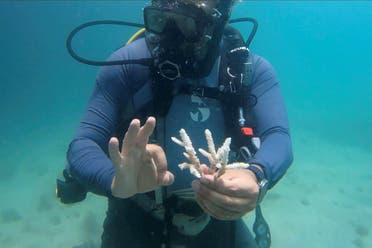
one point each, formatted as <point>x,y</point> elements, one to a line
<point>233,90</point>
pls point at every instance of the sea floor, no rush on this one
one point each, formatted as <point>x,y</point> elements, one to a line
<point>324,200</point>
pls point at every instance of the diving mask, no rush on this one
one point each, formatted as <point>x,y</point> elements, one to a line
<point>188,33</point>
<point>190,23</point>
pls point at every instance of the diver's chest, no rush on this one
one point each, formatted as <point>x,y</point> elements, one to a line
<point>194,114</point>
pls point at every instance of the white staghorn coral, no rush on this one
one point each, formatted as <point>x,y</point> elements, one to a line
<point>217,160</point>
<point>190,154</point>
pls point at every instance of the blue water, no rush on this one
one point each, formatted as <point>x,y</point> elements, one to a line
<point>321,52</point>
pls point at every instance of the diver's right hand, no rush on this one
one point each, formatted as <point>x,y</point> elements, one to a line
<point>139,167</point>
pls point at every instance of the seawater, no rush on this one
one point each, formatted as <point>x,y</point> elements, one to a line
<point>321,51</point>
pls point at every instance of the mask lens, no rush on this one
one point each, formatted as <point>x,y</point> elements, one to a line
<point>186,25</point>
<point>156,20</point>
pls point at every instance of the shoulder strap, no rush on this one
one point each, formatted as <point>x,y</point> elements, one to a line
<point>235,79</point>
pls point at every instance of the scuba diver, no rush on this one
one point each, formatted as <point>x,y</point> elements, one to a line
<point>188,69</point>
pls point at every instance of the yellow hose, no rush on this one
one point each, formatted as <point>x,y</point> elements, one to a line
<point>136,35</point>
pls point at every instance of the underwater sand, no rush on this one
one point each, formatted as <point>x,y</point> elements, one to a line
<point>322,52</point>
<point>321,202</point>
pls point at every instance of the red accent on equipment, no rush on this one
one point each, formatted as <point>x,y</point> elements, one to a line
<point>247,131</point>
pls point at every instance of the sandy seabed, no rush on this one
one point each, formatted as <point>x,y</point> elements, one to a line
<point>324,200</point>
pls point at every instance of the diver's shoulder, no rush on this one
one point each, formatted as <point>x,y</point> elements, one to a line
<point>263,71</point>
<point>261,64</point>
<point>125,73</point>
<point>260,61</point>
<point>135,50</point>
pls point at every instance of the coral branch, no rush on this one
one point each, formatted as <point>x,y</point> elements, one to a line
<point>218,161</point>
<point>190,154</point>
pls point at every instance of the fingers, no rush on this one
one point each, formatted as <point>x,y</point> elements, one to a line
<point>220,203</point>
<point>229,196</point>
<point>231,185</point>
<point>165,179</point>
<point>204,168</point>
<point>137,136</point>
<point>157,154</point>
<point>218,212</point>
<point>130,136</point>
<point>145,132</point>
<point>114,151</point>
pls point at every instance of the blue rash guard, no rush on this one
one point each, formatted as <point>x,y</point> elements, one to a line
<point>119,86</point>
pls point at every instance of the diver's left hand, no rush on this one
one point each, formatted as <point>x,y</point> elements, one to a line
<point>228,197</point>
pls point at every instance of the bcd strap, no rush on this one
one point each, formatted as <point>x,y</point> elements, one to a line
<point>234,77</point>
<point>163,92</point>
<point>235,81</point>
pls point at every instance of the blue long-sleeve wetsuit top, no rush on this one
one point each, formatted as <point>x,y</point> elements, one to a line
<point>120,86</point>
